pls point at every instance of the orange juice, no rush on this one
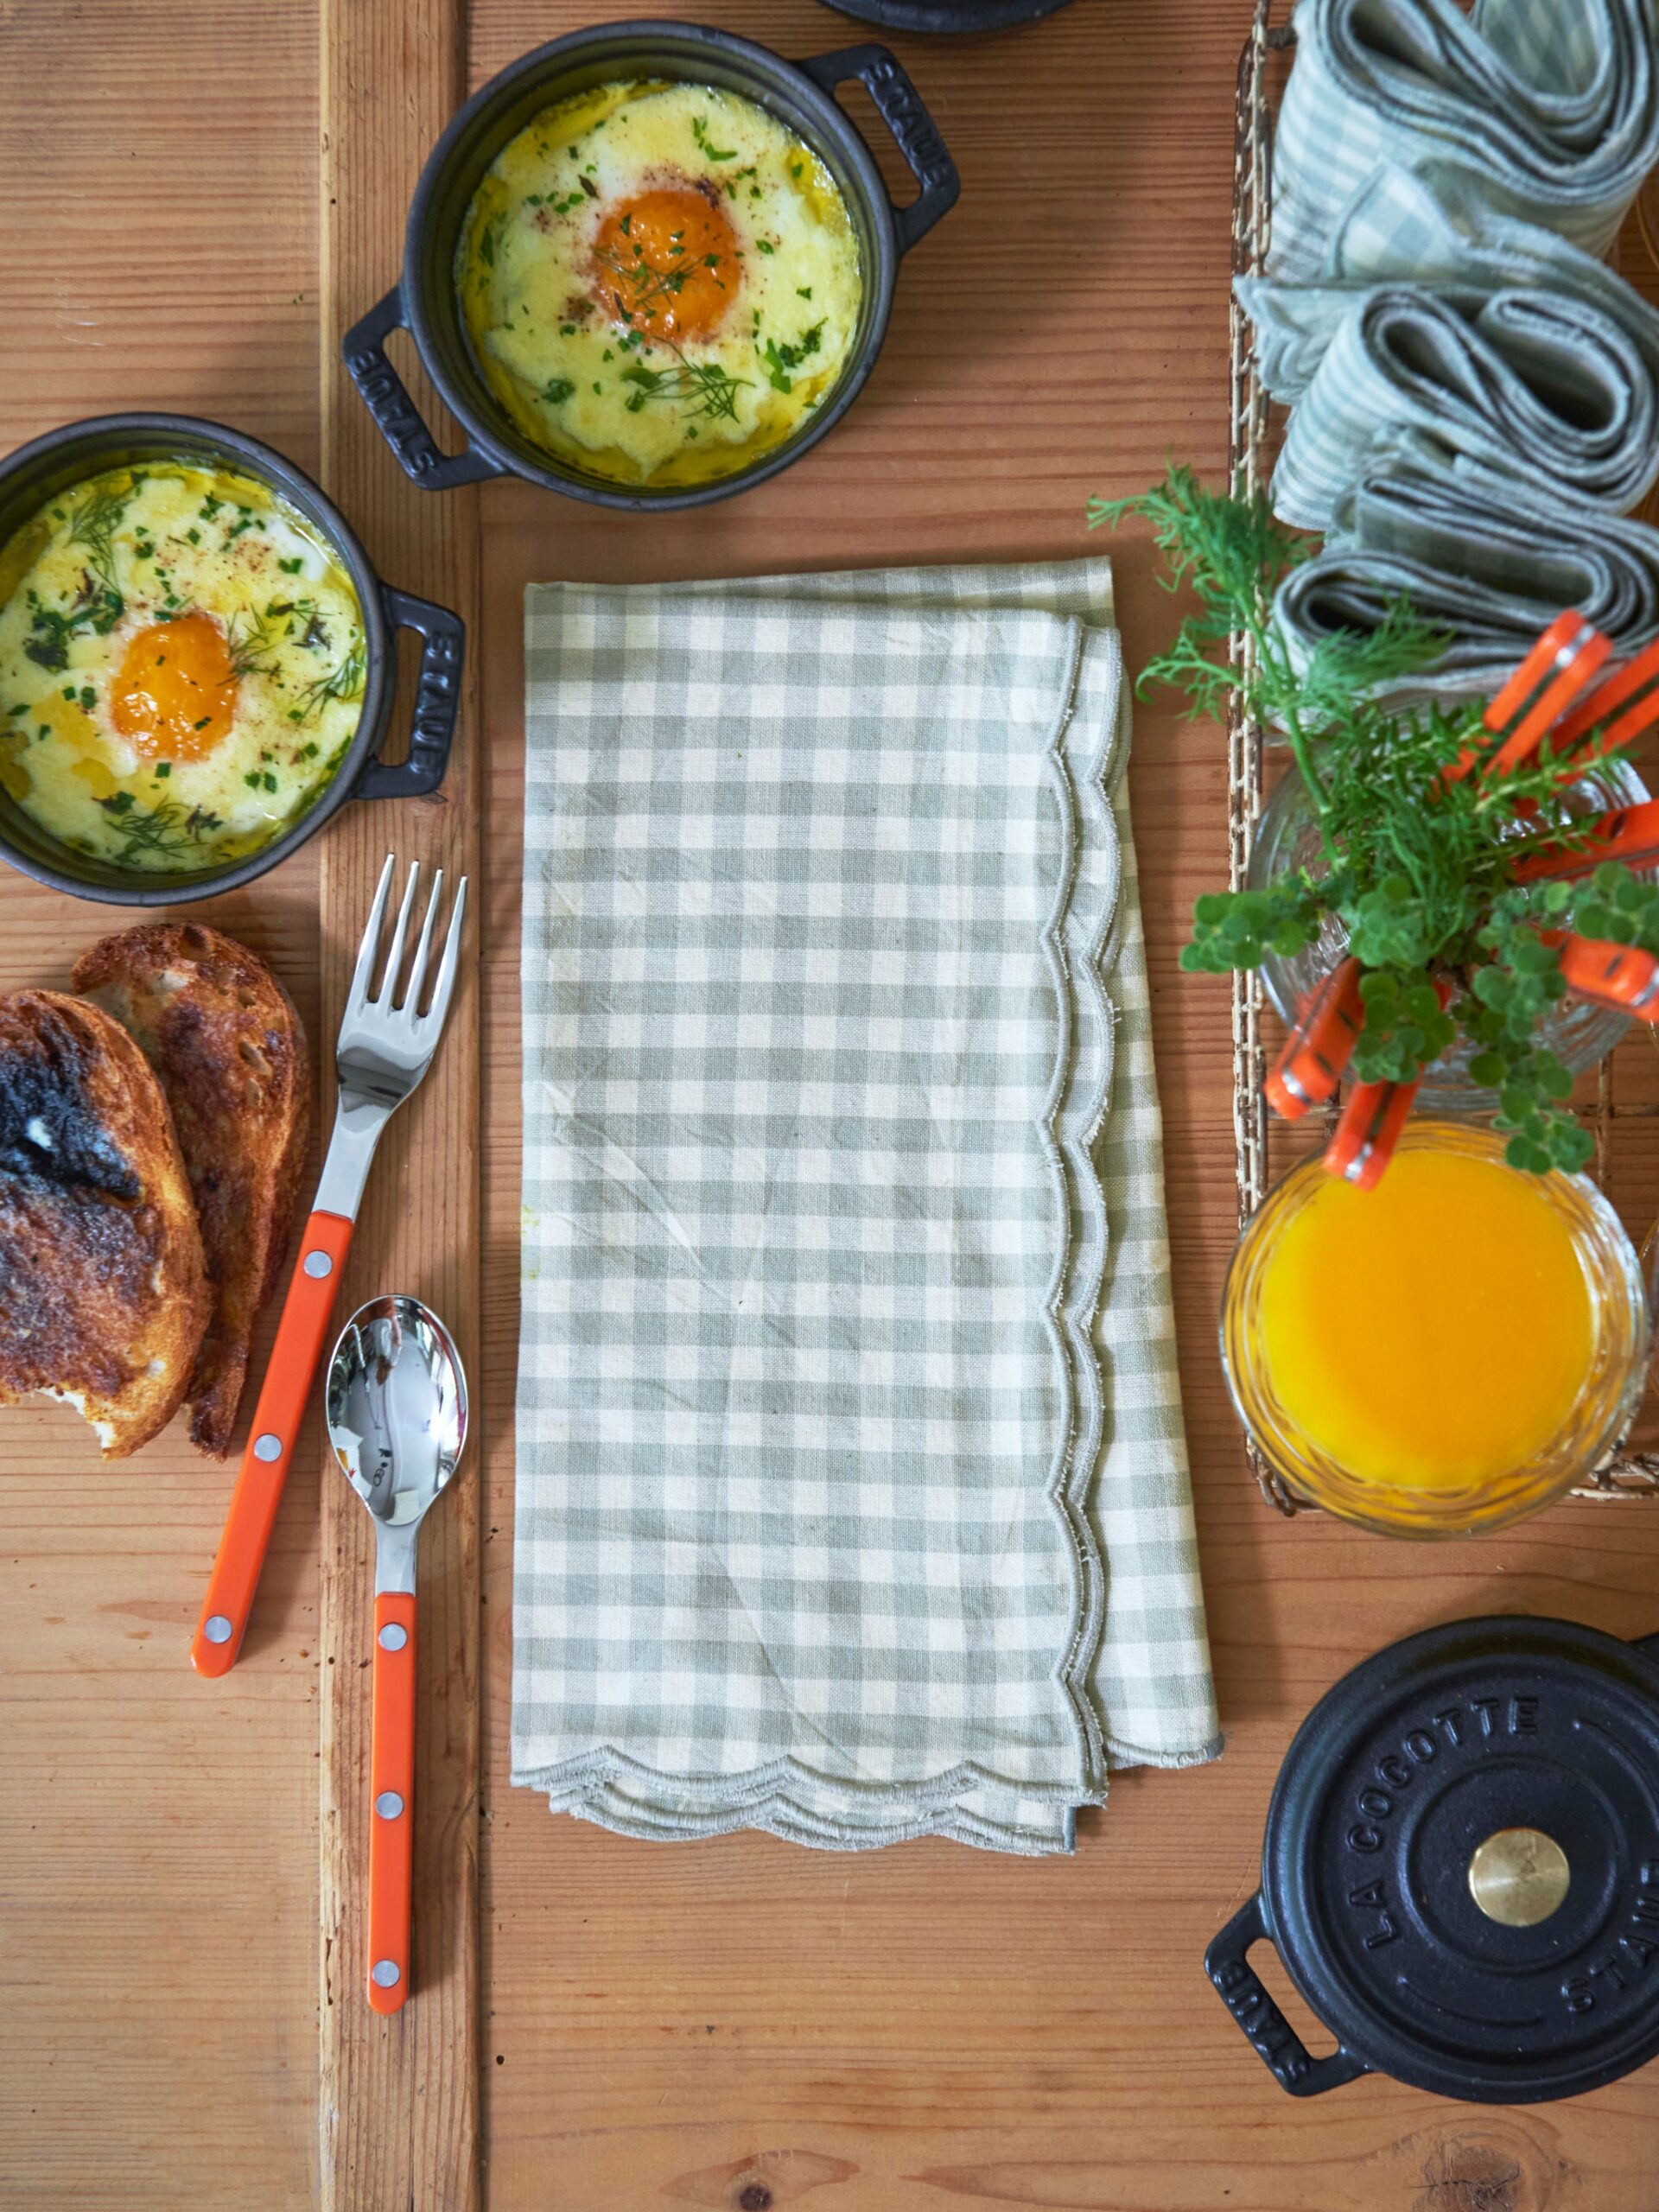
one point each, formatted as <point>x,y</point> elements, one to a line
<point>1433,1333</point>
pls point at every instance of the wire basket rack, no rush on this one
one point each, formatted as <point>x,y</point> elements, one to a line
<point>1250,445</point>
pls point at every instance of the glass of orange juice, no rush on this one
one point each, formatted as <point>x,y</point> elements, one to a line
<point>1441,1354</point>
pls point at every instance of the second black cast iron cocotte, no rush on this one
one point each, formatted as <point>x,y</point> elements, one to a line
<point>425,302</point>
<point>1460,1870</point>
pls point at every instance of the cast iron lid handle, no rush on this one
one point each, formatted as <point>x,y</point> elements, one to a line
<point>437,701</point>
<point>1460,1867</point>
<point>1275,2042</point>
<point>363,349</point>
<point>914,131</point>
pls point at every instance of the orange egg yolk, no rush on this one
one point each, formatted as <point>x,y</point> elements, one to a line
<point>665,262</point>
<point>175,699</point>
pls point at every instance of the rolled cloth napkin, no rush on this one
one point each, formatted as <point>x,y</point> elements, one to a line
<point>1544,109</point>
<point>1397,228</point>
<point>1550,387</point>
<point>852,1496</point>
<point>1490,557</point>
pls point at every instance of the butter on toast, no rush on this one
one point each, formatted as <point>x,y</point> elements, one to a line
<point>103,1294</point>
<point>228,1045</point>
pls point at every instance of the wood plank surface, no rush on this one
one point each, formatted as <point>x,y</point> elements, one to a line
<point>158,1832</point>
<point>736,2025</point>
<point>399,2097</point>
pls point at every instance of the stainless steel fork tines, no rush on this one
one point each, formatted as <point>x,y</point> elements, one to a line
<point>386,1040</point>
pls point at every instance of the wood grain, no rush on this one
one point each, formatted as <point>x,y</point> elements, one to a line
<point>737,2024</point>
<point>741,2024</point>
<point>398,2097</point>
<point>157,1853</point>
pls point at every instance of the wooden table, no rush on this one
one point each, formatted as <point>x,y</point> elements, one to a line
<point>737,2024</point>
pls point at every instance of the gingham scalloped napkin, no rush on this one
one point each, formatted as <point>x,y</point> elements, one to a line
<point>1544,109</point>
<point>852,1496</point>
<point>1489,556</point>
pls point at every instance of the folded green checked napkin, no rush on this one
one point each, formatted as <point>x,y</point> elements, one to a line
<point>1489,556</point>
<point>1398,229</point>
<point>1552,388</point>
<point>1544,109</point>
<point>852,1496</point>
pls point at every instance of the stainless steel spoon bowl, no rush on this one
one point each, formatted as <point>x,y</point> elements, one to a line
<point>397,1412</point>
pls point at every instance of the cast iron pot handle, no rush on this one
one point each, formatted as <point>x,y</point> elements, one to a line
<point>1275,2041</point>
<point>364,350</point>
<point>899,105</point>
<point>437,700</point>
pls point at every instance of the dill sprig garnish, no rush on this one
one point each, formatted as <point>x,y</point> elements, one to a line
<point>250,641</point>
<point>704,386</point>
<point>649,284</point>
<point>164,832</point>
<point>1418,870</point>
<point>93,522</point>
<point>344,681</point>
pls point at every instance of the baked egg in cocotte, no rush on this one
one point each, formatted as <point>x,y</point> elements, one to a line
<point>659,281</point>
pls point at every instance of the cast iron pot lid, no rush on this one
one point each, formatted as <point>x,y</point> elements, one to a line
<point>947,15</point>
<point>1461,1868</point>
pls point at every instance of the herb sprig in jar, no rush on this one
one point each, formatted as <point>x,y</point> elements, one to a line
<point>1419,867</point>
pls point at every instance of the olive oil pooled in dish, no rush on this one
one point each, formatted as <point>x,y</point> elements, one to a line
<point>182,666</point>
<point>660,282</point>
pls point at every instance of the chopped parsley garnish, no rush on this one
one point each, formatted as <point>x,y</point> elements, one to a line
<point>557,389</point>
<point>780,359</point>
<point>700,133</point>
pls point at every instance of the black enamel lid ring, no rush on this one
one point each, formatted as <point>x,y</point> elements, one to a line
<point>1460,1870</point>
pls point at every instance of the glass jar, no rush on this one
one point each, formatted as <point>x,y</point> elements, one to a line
<point>1613,1386</point>
<point>1578,1031</point>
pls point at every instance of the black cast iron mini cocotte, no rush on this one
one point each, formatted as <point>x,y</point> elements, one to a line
<point>1461,1868</point>
<point>56,463</point>
<point>425,302</point>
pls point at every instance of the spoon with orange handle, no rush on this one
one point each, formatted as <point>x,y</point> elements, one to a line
<point>1320,1045</point>
<point>1373,1114</point>
<point>1619,976</point>
<point>1615,713</point>
<point>1566,655</point>
<point>397,1410</point>
<point>1630,833</point>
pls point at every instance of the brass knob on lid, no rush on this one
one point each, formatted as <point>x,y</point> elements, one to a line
<point>1518,1877</point>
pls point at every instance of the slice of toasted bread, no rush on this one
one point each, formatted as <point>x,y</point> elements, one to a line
<point>103,1294</point>
<point>229,1046</point>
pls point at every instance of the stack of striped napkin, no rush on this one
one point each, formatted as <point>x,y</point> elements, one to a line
<point>852,1499</point>
<point>1548,108</point>
<point>1442,183</point>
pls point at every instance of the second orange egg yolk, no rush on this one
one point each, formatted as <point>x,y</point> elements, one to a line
<point>665,260</point>
<point>175,699</point>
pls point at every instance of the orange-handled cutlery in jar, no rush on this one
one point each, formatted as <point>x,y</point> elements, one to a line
<point>386,1044</point>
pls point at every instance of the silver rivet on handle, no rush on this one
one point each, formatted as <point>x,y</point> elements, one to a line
<point>389,1804</point>
<point>217,1629</point>
<point>392,1637</point>
<point>318,1264</point>
<point>267,1447</point>
<point>386,1974</point>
